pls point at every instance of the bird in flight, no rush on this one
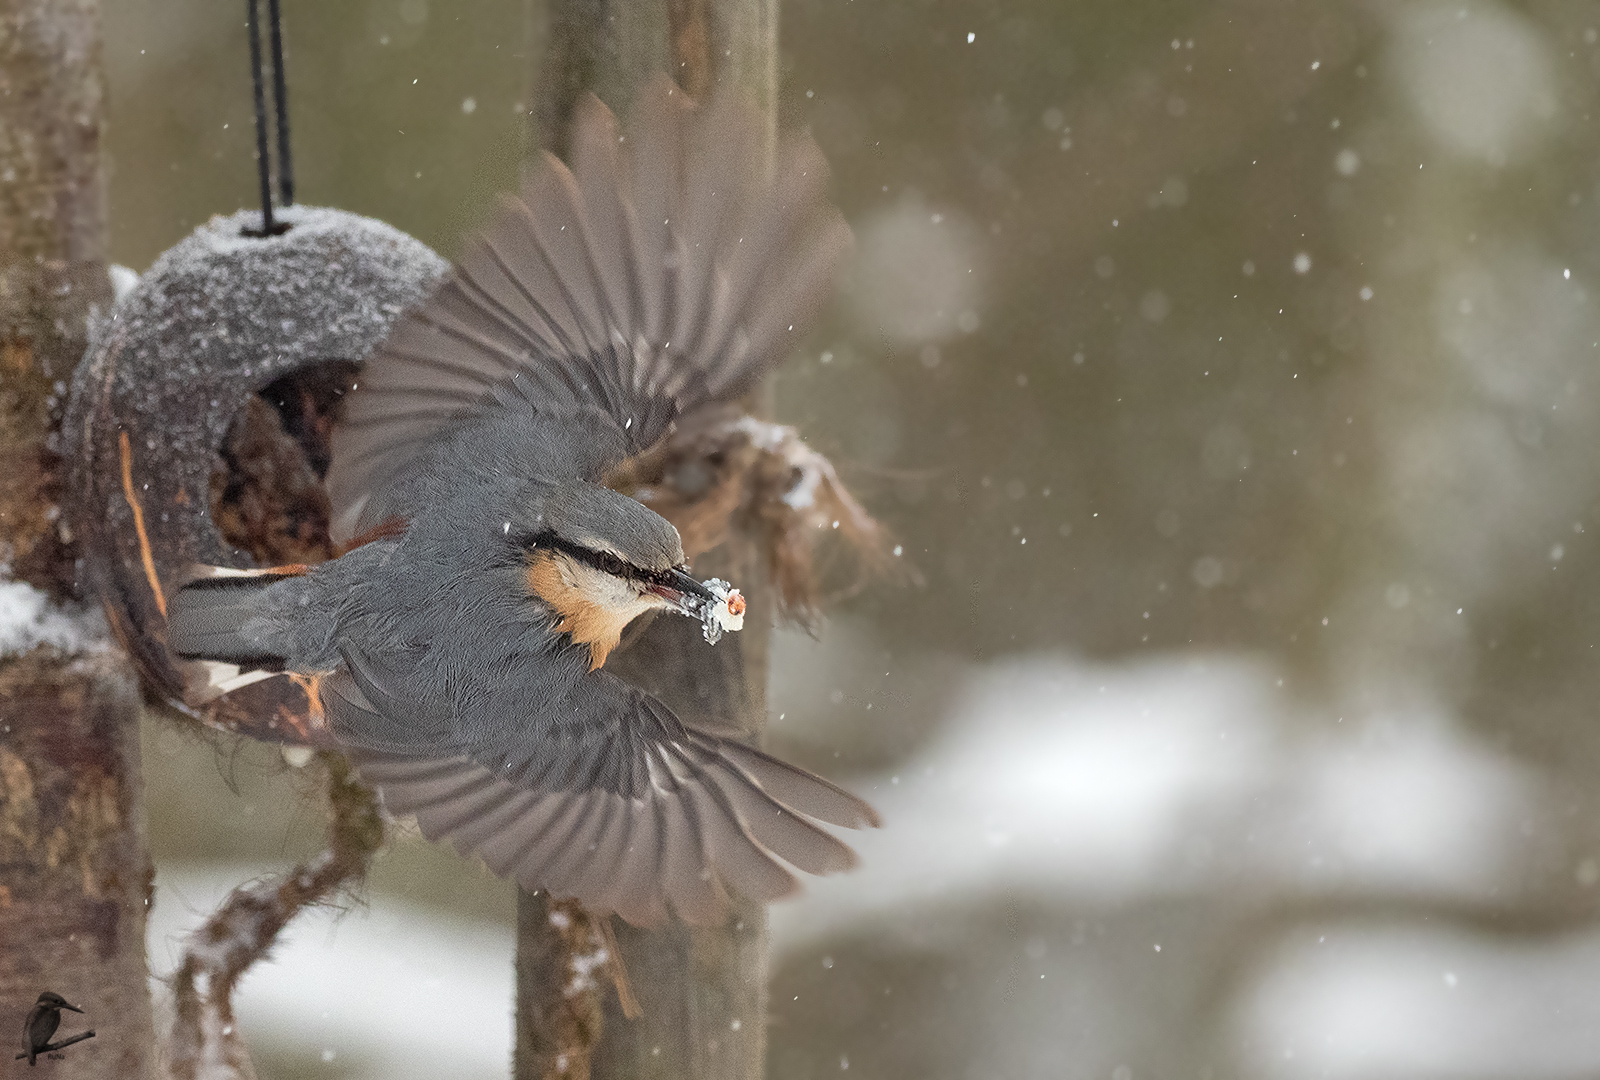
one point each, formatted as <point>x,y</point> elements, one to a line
<point>457,648</point>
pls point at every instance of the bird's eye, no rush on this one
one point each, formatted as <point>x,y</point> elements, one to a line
<point>608,563</point>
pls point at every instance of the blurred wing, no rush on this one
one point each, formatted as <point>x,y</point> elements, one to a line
<point>660,272</point>
<point>609,800</point>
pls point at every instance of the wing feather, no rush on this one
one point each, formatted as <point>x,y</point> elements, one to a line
<point>637,881</point>
<point>743,862</point>
<point>692,888</point>
<point>506,276</point>
<point>661,272</point>
<point>805,791</point>
<point>722,182</point>
<point>605,850</point>
<point>529,835</point>
<point>611,228</point>
<point>660,116</point>
<point>776,827</point>
<point>610,799</point>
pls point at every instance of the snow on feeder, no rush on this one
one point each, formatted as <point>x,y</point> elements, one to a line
<point>198,422</point>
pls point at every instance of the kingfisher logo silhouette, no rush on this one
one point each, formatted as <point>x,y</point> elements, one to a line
<point>41,1024</point>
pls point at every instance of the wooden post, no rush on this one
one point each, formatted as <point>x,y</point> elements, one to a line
<point>702,992</point>
<point>74,873</point>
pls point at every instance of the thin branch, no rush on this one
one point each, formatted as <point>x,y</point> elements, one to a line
<point>618,972</point>
<point>205,1041</point>
<point>50,1048</point>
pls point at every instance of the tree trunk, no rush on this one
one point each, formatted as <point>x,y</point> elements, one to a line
<point>74,874</point>
<point>702,992</point>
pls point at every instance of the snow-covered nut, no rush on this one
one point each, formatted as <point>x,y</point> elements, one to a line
<point>723,614</point>
<point>728,611</point>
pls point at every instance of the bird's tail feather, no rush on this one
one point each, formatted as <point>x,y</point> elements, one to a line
<point>213,625</point>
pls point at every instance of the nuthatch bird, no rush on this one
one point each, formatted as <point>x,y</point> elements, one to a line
<point>457,648</point>
<point>42,1021</point>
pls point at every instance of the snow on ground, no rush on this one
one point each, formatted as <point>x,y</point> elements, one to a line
<point>1089,784</point>
<point>1421,1001</point>
<point>1172,777</point>
<point>380,987</point>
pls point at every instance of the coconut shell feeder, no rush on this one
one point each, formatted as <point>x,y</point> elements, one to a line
<point>199,421</point>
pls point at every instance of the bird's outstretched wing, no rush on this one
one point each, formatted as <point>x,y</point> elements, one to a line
<point>600,795</point>
<point>661,271</point>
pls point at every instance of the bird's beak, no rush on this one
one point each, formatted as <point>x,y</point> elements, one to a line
<point>74,1008</point>
<point>676,587</point>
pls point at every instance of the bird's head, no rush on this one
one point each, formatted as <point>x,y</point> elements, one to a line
<point>599,560</point>
<point>56,1001</point>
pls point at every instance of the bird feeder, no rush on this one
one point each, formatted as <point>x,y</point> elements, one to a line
<point>214,381</point>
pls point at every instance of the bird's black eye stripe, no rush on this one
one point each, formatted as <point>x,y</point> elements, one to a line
<point>603,561</point>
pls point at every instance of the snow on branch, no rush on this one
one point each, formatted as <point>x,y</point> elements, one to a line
<point>205,1044</point>
<point>29,618</point>
<point>722,468</point>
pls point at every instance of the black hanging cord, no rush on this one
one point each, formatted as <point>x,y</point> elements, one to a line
<point>280,100</point>
<point>280,96</point>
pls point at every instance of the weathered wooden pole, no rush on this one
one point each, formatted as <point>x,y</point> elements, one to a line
<point>74,873</point>
<point>702,993</point>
